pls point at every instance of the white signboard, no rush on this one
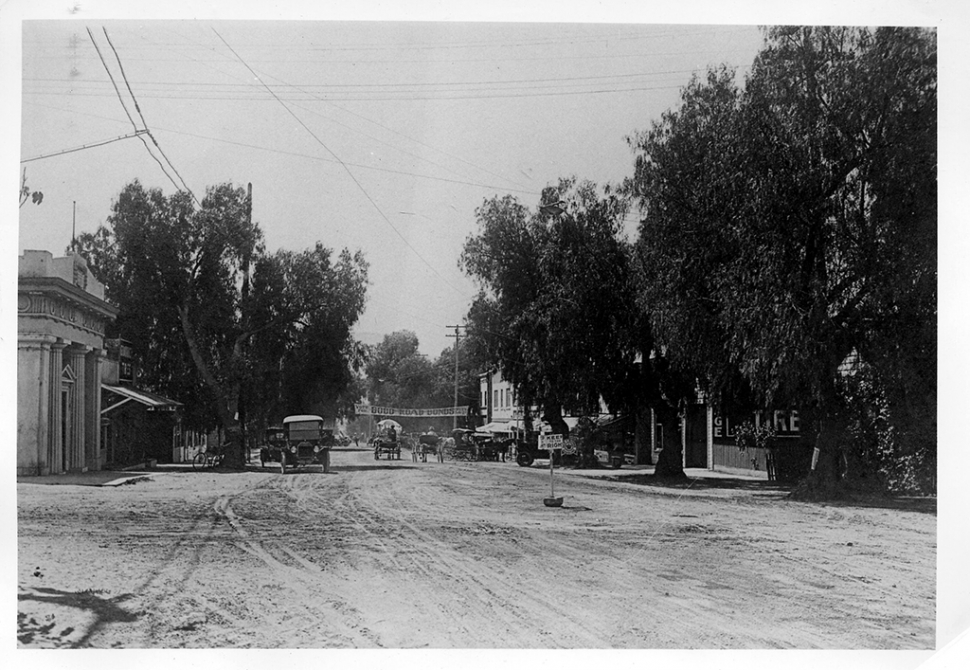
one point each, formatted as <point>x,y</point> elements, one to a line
<point>550,442</point>
<point>374,410</point>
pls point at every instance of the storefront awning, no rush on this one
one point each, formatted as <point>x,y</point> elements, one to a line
<point>498,427</point>
<point>127,394</point>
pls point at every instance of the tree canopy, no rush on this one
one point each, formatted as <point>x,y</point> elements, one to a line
<point>555,313</point>
<point>398,375</point>
<point>217,322</point>
<point>790,226</point>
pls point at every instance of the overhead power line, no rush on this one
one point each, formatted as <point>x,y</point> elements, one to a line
<point>112,78</point>
<point>139,132</point>
<point>283,152</point>
<point>344,165</point>
<point>127,113</point>
<point>561,38</point>
<point>248,84</point>
<point>84,146</point>
<point>394,96</point>
<point>144,123</point>
<point>548,81</point>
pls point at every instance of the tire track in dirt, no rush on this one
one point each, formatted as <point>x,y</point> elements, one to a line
<point>692,607</point>
<point>383,535</point>
<point>303,579</point>
<point>162,598</point>
<point>516,602</point>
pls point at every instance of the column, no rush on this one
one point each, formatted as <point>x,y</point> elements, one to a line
<point>653,434</point>
<point>55,444</point>
<point>92,407</point>
<point>79,409</point>
<point>709,431</point>
<point>683,437</point>
<point>33,405</point>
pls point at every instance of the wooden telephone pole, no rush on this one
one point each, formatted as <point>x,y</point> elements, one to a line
<point>457,337</point>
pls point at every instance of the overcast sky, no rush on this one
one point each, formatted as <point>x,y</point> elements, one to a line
<point>378,136</point>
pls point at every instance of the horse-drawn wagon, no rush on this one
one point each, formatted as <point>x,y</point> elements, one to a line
<point>428,444</point>
<point>386,442</point>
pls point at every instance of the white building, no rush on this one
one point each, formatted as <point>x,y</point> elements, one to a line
<point>61,320</point>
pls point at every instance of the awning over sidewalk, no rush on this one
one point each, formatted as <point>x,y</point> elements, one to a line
<point>610,422</point>
<point>125,394</point>
<point>497,427</point>
<point>519,425</point>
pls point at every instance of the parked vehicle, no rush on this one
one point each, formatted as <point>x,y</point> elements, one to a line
<point>209,458</point>
<point>301,440</point>
<point>527,449</point>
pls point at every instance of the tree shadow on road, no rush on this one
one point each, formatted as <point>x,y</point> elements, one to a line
<point>780,491</point>
<point>398,465</point>
<point>706,483</point>
<point>105,611</point>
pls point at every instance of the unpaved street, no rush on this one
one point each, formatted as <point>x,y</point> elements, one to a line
<point>403,555</point>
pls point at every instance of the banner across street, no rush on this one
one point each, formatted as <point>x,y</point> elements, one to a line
<point>376,410</point>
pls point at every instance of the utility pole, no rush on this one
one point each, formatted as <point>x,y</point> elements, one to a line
<point>244,455</point>
<point>457,337</point>
<point>74,228</point>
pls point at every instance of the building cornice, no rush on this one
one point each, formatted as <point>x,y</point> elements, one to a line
<point>54,299</point>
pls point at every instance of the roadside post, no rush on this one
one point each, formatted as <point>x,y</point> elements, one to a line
<point>553,443</point>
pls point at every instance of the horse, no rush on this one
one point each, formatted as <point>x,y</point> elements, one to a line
<point>427,442</point>
<point>445,444</point>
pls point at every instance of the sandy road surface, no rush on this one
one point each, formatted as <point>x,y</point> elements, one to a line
<point>403,555</point>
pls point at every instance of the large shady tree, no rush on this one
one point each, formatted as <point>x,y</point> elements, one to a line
<point>212,317</point>
<point>556,311</point>
<point>789,228</point>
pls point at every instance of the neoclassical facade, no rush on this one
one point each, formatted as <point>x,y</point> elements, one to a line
<point>61,320</point>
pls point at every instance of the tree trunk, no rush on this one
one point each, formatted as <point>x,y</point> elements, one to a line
<point>224,408</point>
<point>552,414</point>
<point>826,479</point>
<point>670,463</point>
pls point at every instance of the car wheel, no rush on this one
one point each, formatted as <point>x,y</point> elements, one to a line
<point>524,459</point>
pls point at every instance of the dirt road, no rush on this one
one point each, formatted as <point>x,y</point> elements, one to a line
<point>404,555</point>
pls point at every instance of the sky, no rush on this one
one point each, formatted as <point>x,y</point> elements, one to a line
<point>382,126</point>
<point>379,136</point>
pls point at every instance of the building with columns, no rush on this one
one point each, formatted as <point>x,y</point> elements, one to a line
<point>61,321</point>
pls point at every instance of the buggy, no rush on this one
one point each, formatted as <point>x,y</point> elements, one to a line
<point>428,443</point>
<point>385,446</point>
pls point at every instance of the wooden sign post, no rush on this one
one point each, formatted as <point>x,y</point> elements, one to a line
<point>552,443</point>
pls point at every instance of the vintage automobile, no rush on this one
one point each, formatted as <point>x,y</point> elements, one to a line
<point>301,440</point>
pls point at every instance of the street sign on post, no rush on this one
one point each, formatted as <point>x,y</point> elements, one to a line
<point>552,443</point>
